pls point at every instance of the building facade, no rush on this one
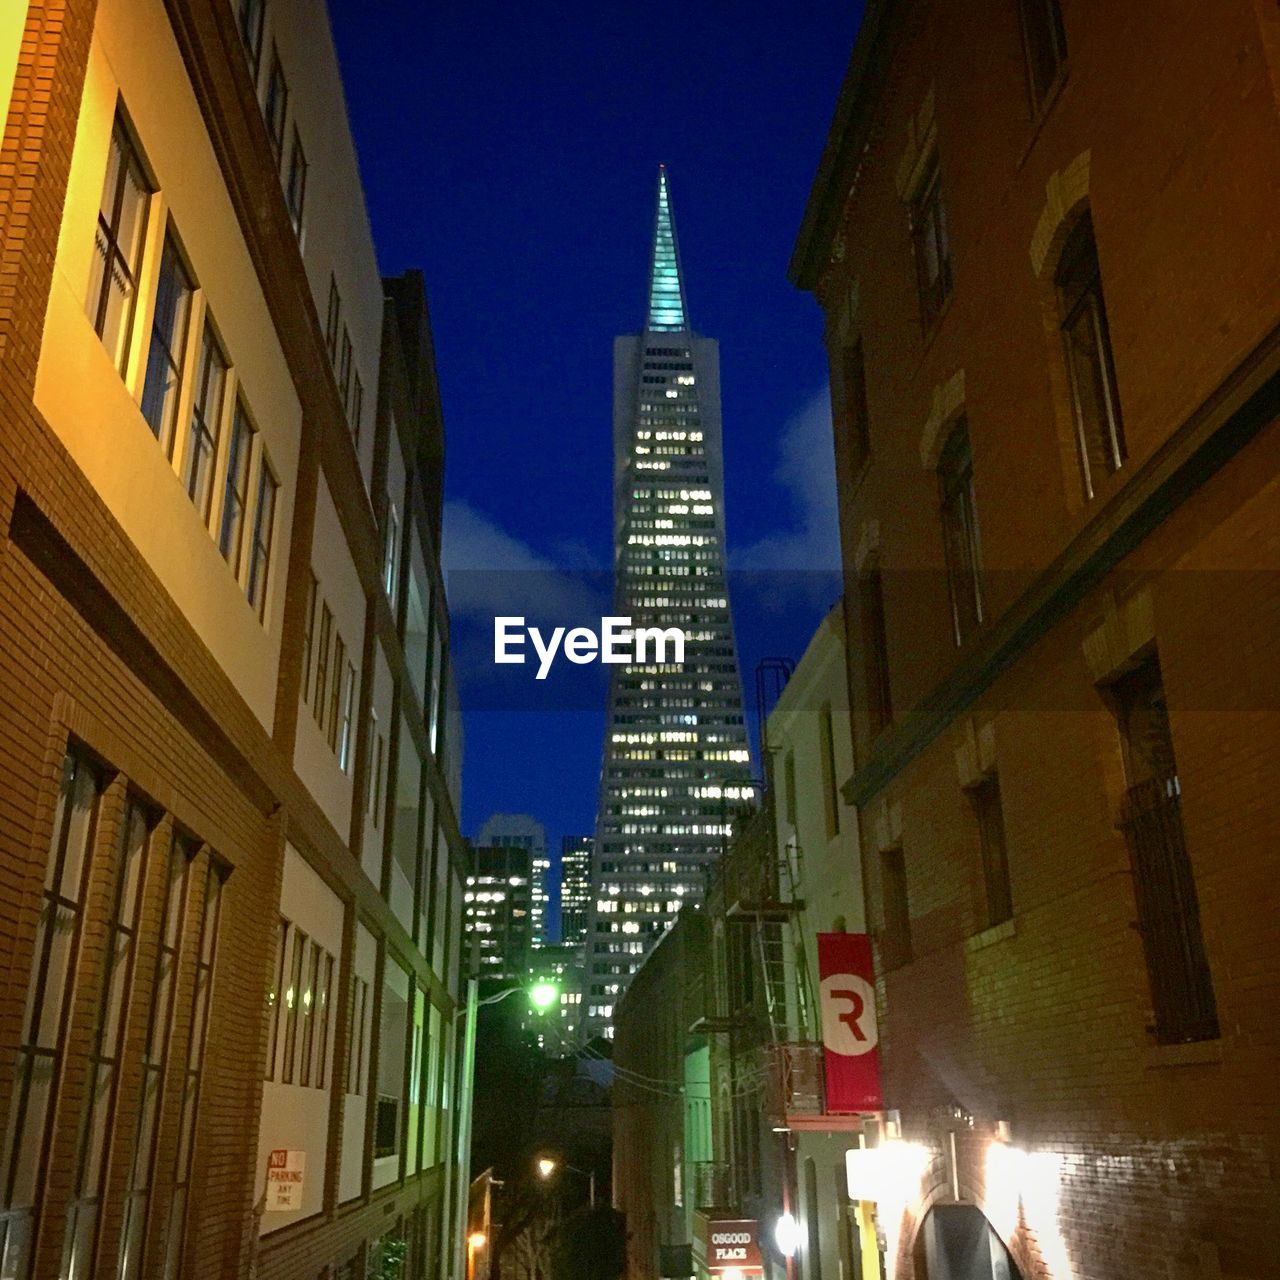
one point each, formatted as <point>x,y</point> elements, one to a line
<point>498,912</point>
<point>575,889</point>
<point>231,747</point>
<point>519,831</point>
<point>1047,279</point>
<point>676,749</point>
<point>661,1102</point>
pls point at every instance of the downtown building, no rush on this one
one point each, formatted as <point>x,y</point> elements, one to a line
<point>1042,240</point>
<point>575,889</point>
<point>676,760</point>
<point>498,911</point>
<point>520,831</point>
<point>230,746</point>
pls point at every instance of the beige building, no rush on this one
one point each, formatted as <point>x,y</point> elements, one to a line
<point>229,740</point>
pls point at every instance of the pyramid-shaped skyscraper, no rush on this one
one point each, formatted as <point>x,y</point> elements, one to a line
<point>676,759</point>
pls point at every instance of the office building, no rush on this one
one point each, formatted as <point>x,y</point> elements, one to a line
<point>676,759</point>
<point>520,831</point>
<point>498,914</point>
<point>575,888</point>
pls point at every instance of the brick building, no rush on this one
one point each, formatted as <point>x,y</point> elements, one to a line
<point>229,856</point>
<point>1043,241</point>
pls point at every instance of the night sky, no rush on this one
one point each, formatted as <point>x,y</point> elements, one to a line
<point>511,152</point>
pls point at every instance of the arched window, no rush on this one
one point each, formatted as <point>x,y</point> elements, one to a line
<point>957,1242</point>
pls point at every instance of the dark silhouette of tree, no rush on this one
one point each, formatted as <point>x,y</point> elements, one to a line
<point>590,1244</point>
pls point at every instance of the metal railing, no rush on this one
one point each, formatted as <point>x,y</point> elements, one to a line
<point>1169,913</point>
<point>794,1079</point>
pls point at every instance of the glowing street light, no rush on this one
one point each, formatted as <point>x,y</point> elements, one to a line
<point>547,1165</point>
<point>543,994</point>
<point>477,1240</point>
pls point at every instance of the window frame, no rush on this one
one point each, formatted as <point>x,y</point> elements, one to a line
<point>1081,301</point>
<point>164,347</point>
<point>204,424</point>
<point>1042,78</point>
<point>107,236</point>
<point>929,235</point>
<point>277,96</point>
<point>240,448</point>
<point>260,547</point>
<point>961,544</point>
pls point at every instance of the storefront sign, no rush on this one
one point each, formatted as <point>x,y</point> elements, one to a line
<point>850,1037</point>
<point>284,1180</point>
<point>734,1245</point>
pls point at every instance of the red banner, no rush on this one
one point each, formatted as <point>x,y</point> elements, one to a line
<point>850,1038</point>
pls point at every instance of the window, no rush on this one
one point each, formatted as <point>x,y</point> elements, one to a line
<point>274,1001</point>
<point>292,1007</point>
<point>393,1042</point>
<point>348,711</point>
<point>357,1015</point>
<point>205,950</point>
<point>264,519</point>
<point>372,783</point>
<point>295,190</point>
<point>122,217</point>
<point>830,785</point>
<point>932,247</point>
<point>97,1103</point>
<point>896,944</point>
<point>206,423</point>
<point>1044,41</point>
<point>154,1059</point>
<point>250,22</point>
<point>875,650</point>
<point>789,785</point>
<point>1163,882</point>
<point>989,811</point>
<point>39,1055</point>
<point>960,531</point>
<point>357,407</point>
<point>277,106</point>
<point>344,369</point>
<point>334,711</point>
<point>235,499</point>
<point>163,385</point>
<point>391,554</point>
<point>852,412</point>
<point>1096,405</point>
<point>333,321</point>
<point>308,635</point>
<point>307,1012</point>
<point>322,664</point>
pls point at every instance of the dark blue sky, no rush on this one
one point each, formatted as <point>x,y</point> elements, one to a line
<point>511,152</point>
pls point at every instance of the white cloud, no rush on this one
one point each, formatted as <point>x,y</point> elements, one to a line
<point>805,471</point>
<point>490,573</point>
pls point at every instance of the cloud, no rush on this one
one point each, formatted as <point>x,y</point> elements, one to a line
<point>490,573</point>
<point>805,472</point>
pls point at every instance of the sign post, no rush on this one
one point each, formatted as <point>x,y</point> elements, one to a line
<point>850,1037</point>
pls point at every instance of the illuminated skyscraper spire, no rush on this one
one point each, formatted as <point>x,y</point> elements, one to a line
<point>667,313</point>
<point>676,760</point>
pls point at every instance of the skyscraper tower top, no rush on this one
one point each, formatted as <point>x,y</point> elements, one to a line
<point>667,310</point>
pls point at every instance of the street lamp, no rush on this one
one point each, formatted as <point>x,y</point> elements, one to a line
<point>542,995</point>
<point>547,1165</point>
